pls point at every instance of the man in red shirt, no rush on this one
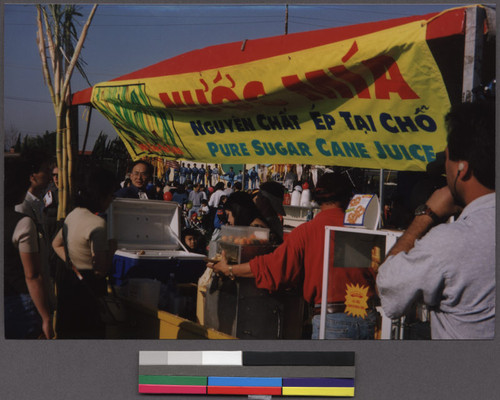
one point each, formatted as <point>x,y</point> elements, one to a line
<point>300,260</point>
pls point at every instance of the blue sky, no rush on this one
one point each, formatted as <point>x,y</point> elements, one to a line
<point>124,38</point>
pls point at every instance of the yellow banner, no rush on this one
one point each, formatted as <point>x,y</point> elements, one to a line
<point>375,101</point>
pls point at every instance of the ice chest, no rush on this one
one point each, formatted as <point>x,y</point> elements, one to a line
<point>147,233</point>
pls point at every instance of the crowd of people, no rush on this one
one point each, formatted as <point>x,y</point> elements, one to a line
<point>74,258</point>
<point>448,266</point>
<point>184,174</point>
<point>205,207</point>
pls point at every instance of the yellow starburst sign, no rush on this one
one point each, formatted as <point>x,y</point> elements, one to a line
<point>356,300</point>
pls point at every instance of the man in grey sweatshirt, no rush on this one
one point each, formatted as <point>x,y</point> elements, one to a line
<point>451,266</point>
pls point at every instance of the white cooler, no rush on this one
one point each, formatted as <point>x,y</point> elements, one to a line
<point>148,236</point>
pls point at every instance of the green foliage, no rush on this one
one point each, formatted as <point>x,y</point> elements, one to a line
<point>105,148</point>
<point>17,145</point>
<point>45,142</point>
<point>112,154</point>
<point>100,149</point>
<point>117,148</point>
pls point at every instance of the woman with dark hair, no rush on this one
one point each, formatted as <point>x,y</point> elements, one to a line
<point>269,200</point>
<point>216,195</point>
<point>26,309</point>
<point>242,211</point>
<point>90,254</point>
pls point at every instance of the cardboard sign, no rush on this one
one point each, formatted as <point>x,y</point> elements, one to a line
<point>363,211</point>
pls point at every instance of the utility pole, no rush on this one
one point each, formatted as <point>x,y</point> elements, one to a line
<point>473,52</point>
<point>286,19</point>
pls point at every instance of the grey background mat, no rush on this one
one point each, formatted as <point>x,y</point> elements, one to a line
<point>276,371</point>
<point>385,370</point>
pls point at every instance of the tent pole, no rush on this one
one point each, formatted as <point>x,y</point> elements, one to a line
<point>87,131</point>
<point>155,169</point>
<point>473,52</point>
<point>349,176</point>
<point>381,196</point>
<point>286,20</point>
<point>243,178</point>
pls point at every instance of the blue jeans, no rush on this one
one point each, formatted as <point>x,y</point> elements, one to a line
<point>344,326</point>
<point>22,320</point>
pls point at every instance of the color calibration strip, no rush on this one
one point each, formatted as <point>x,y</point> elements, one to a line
<point>247,373</point>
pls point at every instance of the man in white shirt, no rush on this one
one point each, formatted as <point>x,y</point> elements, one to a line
<point>229,189</point>
<point>33,205</point>
<point>39,179</point>
<point>195,197</point>
<point>216,195</point>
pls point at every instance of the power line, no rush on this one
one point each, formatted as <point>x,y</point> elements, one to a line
<point>311,24</point>
<point>330,19</point>
<point>227,20</point>
<point>188,16</point>
<point>26,99</point>
<point>167,24</point>
<point>29,132</point>
<point>18,67</point>
<point>372,10</point>
<point>134,14</point>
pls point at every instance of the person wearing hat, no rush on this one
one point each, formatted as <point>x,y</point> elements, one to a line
<point>299,260</point>
<point>254,177</point>
<point>269,201</point>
